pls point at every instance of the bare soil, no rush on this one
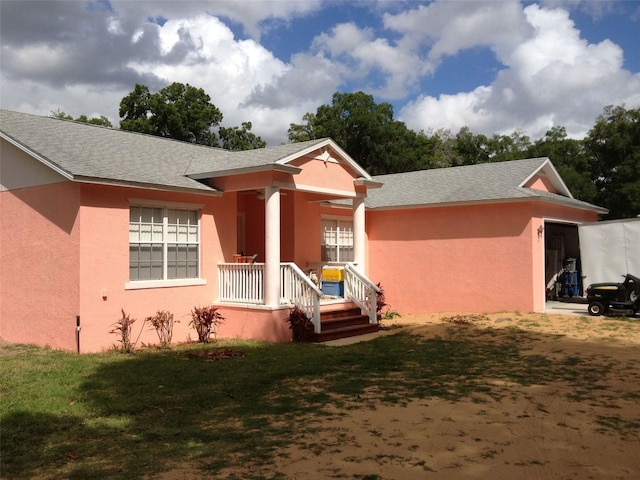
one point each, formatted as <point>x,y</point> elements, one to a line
<point>548,431</point>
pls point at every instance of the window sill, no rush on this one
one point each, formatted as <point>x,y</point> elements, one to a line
<point>182,282</point>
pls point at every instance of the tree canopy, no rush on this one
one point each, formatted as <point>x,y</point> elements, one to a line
<point>365,129</point>
<point>178,111</point>
<point>614,149</point>
<point>101,120</point>
<point>236,138</point>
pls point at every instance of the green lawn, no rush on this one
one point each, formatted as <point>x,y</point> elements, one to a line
<point>114,415</point>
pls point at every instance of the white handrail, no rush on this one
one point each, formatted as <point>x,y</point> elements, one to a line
<point>241,283</point>
<point>362,291</point>
<point>297,288</point>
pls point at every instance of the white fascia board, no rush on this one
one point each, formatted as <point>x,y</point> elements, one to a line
<point>368,183</point>
<point>45,161</point>
<point>558,201</point>
<point>313,189</point>
<point>554,176</point>
<point>242,171</point>
<point>334,146</point>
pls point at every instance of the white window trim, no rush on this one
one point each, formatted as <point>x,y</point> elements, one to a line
<point>142,202</point>
<point>175,282</point>
<point>178,282</point>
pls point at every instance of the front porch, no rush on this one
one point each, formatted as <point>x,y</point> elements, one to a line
<point>243,286</point>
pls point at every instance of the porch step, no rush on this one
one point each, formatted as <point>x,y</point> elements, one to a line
<point>342,322</point>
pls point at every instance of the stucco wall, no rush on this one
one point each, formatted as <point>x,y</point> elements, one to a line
<point>39,264</point>
<point>104,266</point>
<point>453,259</point>
<point>330,176</point>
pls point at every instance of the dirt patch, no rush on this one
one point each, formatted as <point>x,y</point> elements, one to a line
<point>551,430</point>
<point>213,354</point>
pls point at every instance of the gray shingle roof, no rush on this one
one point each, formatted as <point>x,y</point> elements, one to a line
<point>89,152</point>
<point>488,182</point>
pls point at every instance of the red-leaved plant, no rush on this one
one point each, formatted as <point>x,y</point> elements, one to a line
<point>122,328</point>
<point>380,300</point>
<point>300,325</point>
<point>206,321</point>
<point>162,322</point>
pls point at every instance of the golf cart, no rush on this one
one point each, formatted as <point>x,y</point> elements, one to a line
<point>615,298</point>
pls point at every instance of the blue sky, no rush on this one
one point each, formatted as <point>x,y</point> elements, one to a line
<point>494,66</point>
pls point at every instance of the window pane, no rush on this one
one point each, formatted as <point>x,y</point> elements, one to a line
<point>157,233</point>
<point>346,254</point>
<point>182,261</point>
<point>134,232</point>
<point>172,235</point>
<point>329,254</point>
<point>192,236</point>
<point>182,234</point>
<point>134,214</point>
<point>145,262</point>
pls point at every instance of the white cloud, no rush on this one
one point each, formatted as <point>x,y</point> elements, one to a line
<point>553,77</point>
<point>212,59</point>
<point>364,56</point>
<point>85,60</point>
<point>449,27</point>
<point>254,16</point>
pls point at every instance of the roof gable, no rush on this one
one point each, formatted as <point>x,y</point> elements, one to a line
<point>274,158</point>
<point>546,178</point>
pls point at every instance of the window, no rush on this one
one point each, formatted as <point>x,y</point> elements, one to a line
<point>337,241</point>
<point>164,243</point>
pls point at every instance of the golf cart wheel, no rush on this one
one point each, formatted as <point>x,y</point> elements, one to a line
<point>596,309</point>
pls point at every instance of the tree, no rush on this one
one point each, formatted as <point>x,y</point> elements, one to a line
<point>366,130</point>
<point>101,120</point>
<point>472,149</point>
<point>508,147</point>
<point>303,132</point>
<point>236,139</point>
<point>178,111</point>
<point>614,147</point>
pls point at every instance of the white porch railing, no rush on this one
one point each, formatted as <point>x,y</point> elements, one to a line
<point>361,291</point>
<point>241,283</point>
<point>297,289</point>
<point>244,283</point>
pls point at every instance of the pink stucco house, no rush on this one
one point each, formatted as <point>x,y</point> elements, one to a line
<point>95,220</point>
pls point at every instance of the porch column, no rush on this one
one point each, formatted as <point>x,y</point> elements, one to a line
<point>359,234</point>
<point>272,246</point>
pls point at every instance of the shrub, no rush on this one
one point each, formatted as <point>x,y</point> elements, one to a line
<point>206,321</point>
<point>300,325</point>
<point>380,301</point>
<point>123,328</point>
<point>162,321</point>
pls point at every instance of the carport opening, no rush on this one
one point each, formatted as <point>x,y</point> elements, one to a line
<point>563,268</point>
